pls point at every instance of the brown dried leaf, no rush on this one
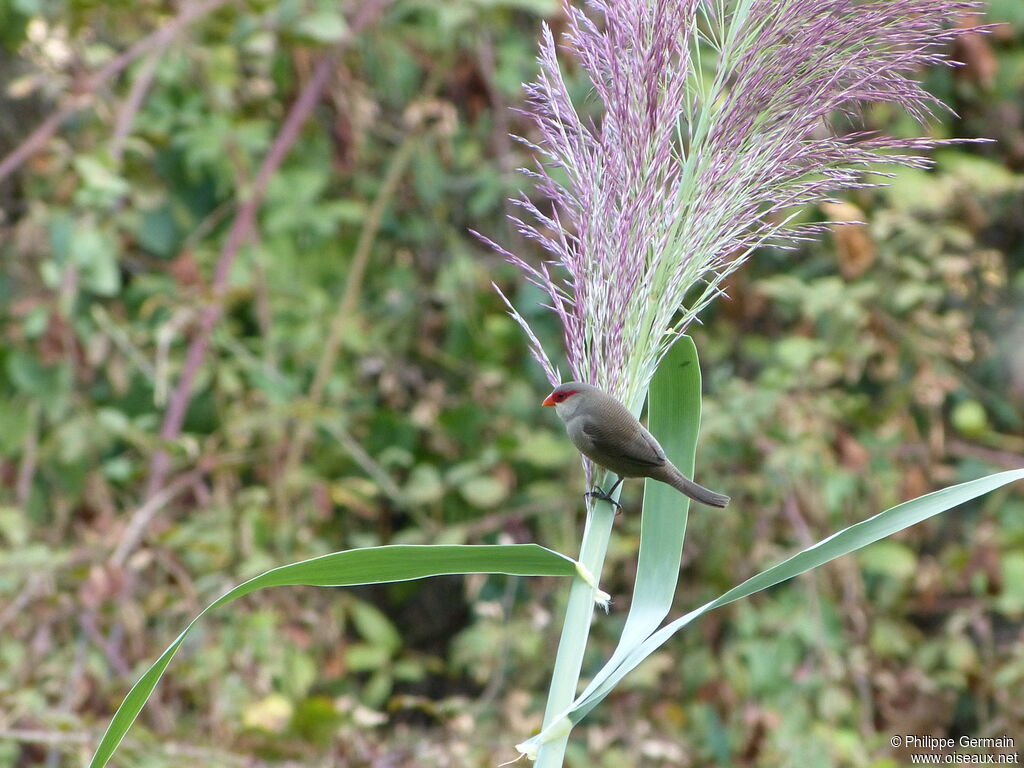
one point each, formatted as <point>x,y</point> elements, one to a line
<point>980,64</point>
<point>854,246</point>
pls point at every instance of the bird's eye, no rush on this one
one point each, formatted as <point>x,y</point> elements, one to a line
<point>560,396</point>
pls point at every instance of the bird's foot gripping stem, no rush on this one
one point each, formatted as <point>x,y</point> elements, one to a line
<point>597,493</point>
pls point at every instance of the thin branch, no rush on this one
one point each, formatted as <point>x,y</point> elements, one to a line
<point>238,235</point>
<point>38,139</point>
<point>367,463</point>
<point>35,584</point>
<point>142,516</point>
<point>132,104</point>
<point>241,229</point>
<point>1000,458</point>
<point>109,646</point>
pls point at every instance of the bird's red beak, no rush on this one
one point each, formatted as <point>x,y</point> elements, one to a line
<point>549,400</point>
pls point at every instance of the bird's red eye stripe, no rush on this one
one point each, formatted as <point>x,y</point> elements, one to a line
<point>559,397</point>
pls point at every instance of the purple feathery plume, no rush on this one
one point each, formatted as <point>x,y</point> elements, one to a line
<point>715,127</point>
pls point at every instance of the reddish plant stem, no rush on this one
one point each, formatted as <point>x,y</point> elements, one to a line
<point>238,234</point>
<point>241,229</point>
<point>155,40</point>
<point>132,104</point>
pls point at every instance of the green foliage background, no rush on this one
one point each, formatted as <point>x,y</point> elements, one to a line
<point>841,378</point>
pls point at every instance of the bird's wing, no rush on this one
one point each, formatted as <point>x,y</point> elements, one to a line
<point>637,446</point>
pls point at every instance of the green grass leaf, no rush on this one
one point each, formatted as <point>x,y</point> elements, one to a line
<point>372,565</point>
<point>673,417</point>
<point>848,540</point>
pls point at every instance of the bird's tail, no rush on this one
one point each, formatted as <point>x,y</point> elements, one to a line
<point>686,486</point>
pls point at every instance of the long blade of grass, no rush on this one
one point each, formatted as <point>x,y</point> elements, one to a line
<point>372,565</point>
<point>848,540</point>
<point>673,415</point>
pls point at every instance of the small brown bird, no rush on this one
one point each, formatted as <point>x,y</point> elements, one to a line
<point>605,431</point>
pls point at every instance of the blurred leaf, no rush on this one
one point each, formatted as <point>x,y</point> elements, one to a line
<point>13,527</point>
<point>99,180</point>
<point>543,449</point>
<point>1010,601</point>
<point>14,18</point>
<point>374,627</point>
<point>158,232</point>
<point>982,173</point>
<point>95,254</point>
<point>377,688</point>
<point>48,384</point>
<point>409,670</point>
<point>915,189</point>
<point>271,714</point>
<point>890,558</point>
<point>316,719</point>
<point>424,485</point>
<point>15,417</point>
<point>1010,11</point>
<point>363,657</point>
<point>969,418</point>
<point>484,491</point>
<point>322,26</point>
<point>797,352</point>
<point>889,639</point>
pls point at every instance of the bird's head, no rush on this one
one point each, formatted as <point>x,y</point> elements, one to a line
<point>567,398</point>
